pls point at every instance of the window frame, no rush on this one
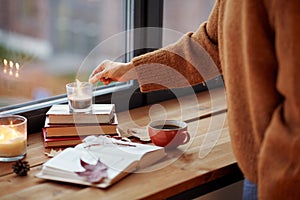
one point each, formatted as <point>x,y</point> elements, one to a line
<point>149,13</point>
<point>137,14</point>
<point>35,111</point>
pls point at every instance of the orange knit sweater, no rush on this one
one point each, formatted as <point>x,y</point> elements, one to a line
<point>255,45</point>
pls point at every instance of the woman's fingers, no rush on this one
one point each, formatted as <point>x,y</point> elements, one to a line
<point>97,74</point>
<point>109,71</point>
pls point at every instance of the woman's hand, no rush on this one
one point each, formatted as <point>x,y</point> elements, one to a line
<point>109,71</point>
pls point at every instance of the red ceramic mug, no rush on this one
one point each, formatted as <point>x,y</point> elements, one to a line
<point>168,133</point>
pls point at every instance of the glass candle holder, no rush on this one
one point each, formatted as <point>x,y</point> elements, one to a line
<point>80,97</point>
<point>13,138</point>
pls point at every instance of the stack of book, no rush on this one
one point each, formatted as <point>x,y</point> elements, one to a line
<point>63,128</point>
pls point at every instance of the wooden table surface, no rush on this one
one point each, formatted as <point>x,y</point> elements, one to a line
<point>206,158</point>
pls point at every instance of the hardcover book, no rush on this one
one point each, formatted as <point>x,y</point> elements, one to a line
<point>119,158</point>
<point>101,113</point>
<point>80,129</point>
<point>61,141</point>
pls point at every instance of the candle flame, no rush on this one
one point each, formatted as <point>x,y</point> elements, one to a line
<point>17,72</point>
<point>11,64</point>
<point>79,89</point>
<point>17,66</point>
<point>78,83</point>
<point>5,62</point>
<point>5,65</point>
<point>8,134</point>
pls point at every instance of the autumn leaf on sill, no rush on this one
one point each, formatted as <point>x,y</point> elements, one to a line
<point>94,173</point>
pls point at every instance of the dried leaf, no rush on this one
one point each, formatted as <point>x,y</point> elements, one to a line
<point>140,133</point>
<point>94,173</point>
<point>53,153</point>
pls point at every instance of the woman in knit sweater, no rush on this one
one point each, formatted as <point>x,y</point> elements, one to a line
<point>255,45</point>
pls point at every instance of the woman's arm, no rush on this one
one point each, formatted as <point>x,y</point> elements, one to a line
<point>190,61</point>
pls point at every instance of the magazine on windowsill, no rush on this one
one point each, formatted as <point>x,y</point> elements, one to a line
<point>120,158</point>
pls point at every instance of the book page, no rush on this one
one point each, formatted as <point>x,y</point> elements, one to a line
<point>66,163</point>
<point>108,149</point>
<point>69,160</point>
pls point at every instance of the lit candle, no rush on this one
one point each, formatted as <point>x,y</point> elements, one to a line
<point>13,137</point>
<point>17,70</point>
<point>80,96</point>
<point>5,66</point>
<point>11,66</point>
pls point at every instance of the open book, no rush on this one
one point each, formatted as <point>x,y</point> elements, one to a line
<point>119,157</point>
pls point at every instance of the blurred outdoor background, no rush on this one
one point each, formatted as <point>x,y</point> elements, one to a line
<point>44,42</point>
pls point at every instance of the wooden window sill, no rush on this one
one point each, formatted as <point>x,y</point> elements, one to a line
<point>187,176</point>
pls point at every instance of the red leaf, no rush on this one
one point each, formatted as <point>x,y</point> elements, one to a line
<point>94,173</point>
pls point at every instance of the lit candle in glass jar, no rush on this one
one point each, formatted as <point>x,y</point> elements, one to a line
<point>13,137</point>
<point>80,96</point>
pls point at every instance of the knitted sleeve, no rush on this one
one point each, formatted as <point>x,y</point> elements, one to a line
<point>193,59</point>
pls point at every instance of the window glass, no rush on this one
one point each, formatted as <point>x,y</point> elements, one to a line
<point>180,17</point>
<point>43,44</point>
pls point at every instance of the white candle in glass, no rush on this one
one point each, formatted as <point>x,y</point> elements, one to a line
<point>80,96</point>
<point>13,137</point>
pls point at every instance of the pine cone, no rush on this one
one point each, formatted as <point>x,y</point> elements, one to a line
<point>21,168</point>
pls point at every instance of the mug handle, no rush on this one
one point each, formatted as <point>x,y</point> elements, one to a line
<point>186,138</point>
